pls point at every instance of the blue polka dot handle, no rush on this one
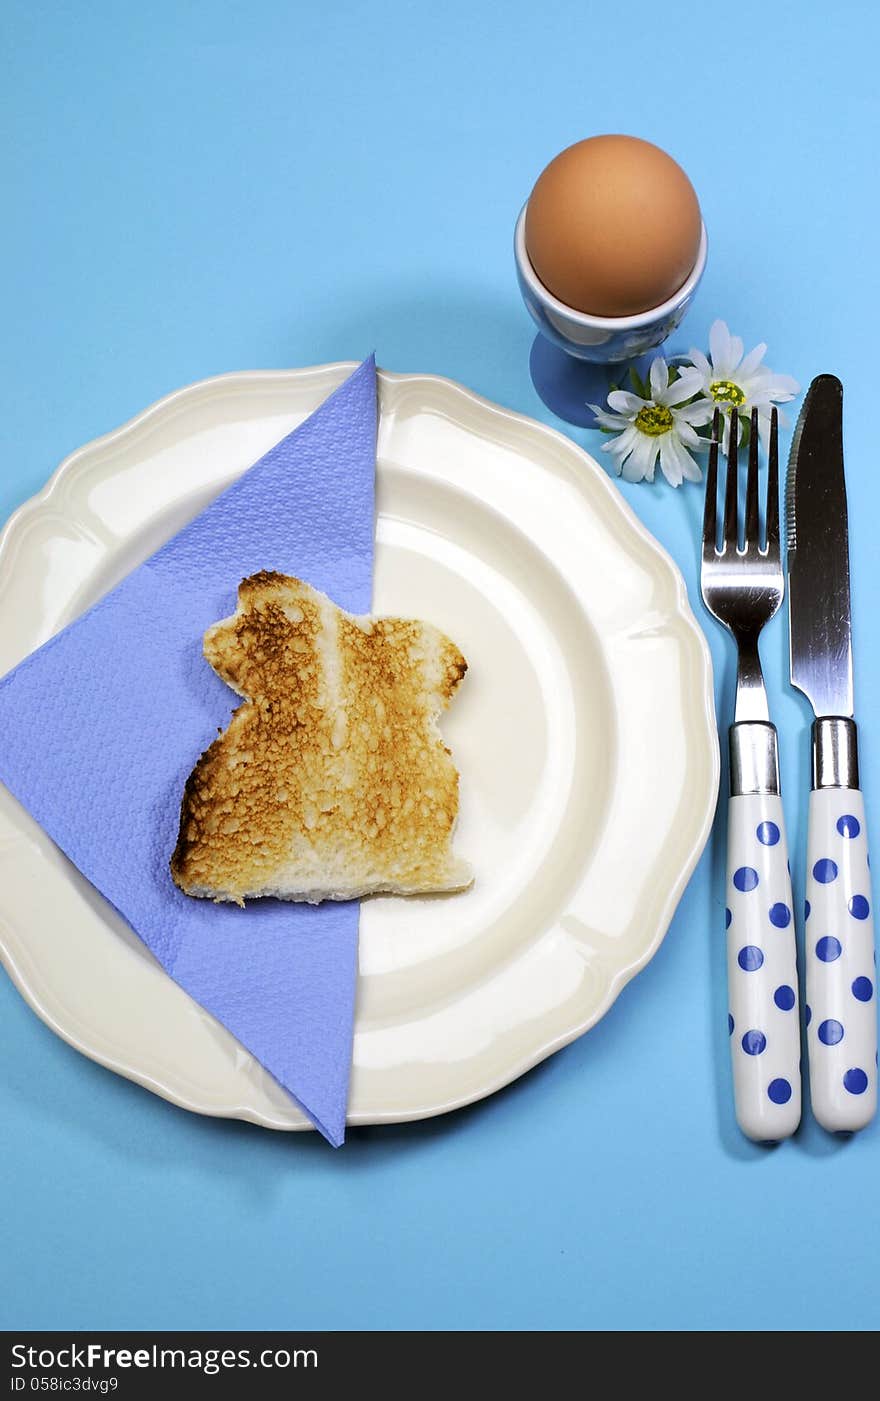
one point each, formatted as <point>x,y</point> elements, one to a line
<point>841,1010</point>
<point>762,970</point>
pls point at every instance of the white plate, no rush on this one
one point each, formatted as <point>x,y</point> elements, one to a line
<point>584,733</point>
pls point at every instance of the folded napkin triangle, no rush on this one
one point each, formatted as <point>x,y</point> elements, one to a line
<point>100,728</point>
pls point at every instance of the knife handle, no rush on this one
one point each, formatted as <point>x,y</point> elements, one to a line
<point>762,970</point>
<point>841,994</point>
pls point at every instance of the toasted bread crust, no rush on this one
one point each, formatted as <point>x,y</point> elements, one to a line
<point>331,779</point>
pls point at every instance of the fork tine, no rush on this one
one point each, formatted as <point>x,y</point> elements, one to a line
<point>751,532</point>
<point>730,535</point>
<point>710,507</point>
<point>773,488</point>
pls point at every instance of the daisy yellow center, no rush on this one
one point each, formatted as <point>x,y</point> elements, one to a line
<point>654,419</point>
<point>724,391</point>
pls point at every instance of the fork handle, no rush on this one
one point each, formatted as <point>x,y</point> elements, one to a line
<point>841,976</point>
<point>762,978</point>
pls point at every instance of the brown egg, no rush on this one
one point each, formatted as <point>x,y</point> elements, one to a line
<point>613,226</point>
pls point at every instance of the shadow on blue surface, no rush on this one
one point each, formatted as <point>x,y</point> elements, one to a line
<point>568,386</point>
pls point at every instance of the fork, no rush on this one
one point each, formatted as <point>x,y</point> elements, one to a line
<point>742,586</point>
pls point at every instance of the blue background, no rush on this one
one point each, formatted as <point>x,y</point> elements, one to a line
<point>198,187</point>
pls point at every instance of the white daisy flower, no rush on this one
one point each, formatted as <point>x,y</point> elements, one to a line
<point>662,426</point>
<point>732,380</point>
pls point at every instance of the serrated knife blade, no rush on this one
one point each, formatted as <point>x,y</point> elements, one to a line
<point>818,553</point>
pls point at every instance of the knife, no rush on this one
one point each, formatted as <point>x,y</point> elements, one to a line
<point>841,1011</point>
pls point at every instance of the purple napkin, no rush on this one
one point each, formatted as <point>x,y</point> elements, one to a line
<point>100,728</point>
